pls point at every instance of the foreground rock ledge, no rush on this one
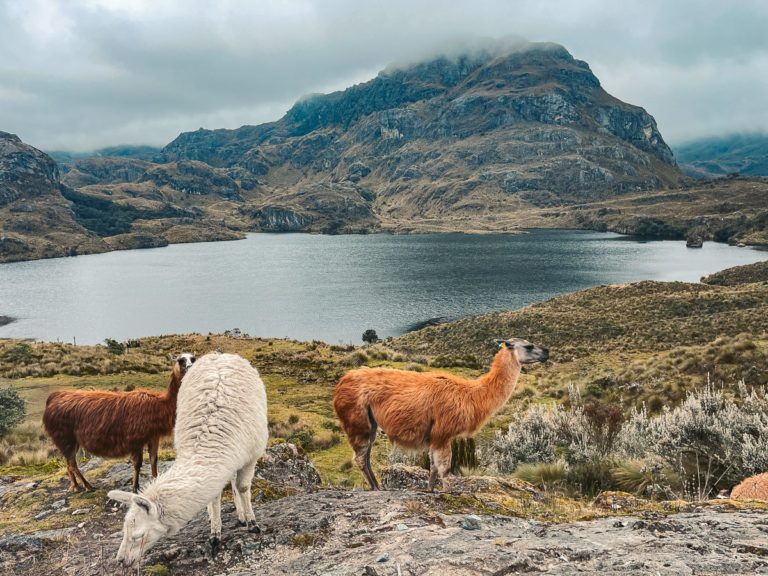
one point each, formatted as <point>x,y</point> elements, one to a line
<point>334,532</point>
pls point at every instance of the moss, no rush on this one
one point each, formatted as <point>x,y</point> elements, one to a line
<point>32,469</point>
<point>157,570</point>
<point>306,539</point>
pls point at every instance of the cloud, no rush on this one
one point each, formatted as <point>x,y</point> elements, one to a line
<point>80,75</point>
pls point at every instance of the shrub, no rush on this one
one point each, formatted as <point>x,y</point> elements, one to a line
<point>114,347</point>
<point>21,353</point>
<point>530,438</point>
<point>370,336</point>
<point>544,475</point>
<point>356,359</point>
<point>708,440</point>
<point>13,409</point>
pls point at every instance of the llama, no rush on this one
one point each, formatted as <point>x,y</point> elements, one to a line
<point>426,409</point>
<point>113,424</point>
<point>221,431</point>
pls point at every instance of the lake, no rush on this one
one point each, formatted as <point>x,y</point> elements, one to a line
<point>329,288</point>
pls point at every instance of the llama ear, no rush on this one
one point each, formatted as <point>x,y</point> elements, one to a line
<point>173,357</point>
<point>499,342</point>
<point>147,505</point>
<point>120,496</point>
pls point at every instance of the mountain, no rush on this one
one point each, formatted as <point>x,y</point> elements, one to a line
<point>745,154</point>
<point>42,217</point>
<point>442,142</point>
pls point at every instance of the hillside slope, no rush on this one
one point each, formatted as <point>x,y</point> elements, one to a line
<point>745,154</point>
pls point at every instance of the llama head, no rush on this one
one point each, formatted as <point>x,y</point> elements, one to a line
<point>142,527</point>
<point>184,360</point>
<point>526,352</point>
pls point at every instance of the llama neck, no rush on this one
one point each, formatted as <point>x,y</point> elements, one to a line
<point>182,491</point>
<point>494,389</point>
<point>173,388</point>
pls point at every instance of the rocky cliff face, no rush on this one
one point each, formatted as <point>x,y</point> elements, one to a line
<point>35,219</point>
<point>24,171</point>
<point>454,137</point>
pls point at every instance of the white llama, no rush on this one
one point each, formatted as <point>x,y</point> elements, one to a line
<point>221,431</point>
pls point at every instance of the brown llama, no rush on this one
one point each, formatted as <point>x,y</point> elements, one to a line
<point>420,410</point>
<point>113,424</point>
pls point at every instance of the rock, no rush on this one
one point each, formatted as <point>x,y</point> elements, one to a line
<point>121,475</point>
<point>401,477</point>
<point>93,462</point>
<point>337,532</point>
<point>15,542</point>
<point>616,501</point>
<point>55,535</point>
<point>16,486</point>
<point>285,463</point>
<point>471,522</point>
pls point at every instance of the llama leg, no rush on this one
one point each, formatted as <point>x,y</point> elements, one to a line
<point>241,487</point>
<point>214,513</point>
<point>441,460</point>
<point>86,485</point>
<point>72,472</point>
<point>137,459</point>
<point>432,470</point>
<point>362,445</point>
<point>153,447</point>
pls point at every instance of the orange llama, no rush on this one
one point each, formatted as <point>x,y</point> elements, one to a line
<point>426,409</point>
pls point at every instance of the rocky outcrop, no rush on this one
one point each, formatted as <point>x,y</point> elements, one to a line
<point>36,220</point>
<point>25,172</point>
<point>192,178</point>
<point>111,170</point>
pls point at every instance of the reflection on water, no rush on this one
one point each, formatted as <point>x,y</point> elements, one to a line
<point>330,288</point>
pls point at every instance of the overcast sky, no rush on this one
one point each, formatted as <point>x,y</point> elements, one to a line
<point>83,74</point>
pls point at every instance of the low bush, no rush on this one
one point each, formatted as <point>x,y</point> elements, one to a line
<point>712,440</point>
<point>13,410</point>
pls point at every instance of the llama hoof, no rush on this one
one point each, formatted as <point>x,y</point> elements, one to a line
<point>254,529</point>
<point>242,523</point>
<point>215,545</point>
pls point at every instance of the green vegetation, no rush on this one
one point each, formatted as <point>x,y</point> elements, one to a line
<point>370,336</point>
<point>13,409</point>
<point>108,218</point>
<point>757,272</point>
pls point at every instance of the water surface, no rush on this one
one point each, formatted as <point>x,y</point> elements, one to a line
<point>330,288</point>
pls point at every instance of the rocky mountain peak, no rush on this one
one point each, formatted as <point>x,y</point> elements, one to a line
<point>24,170</point>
